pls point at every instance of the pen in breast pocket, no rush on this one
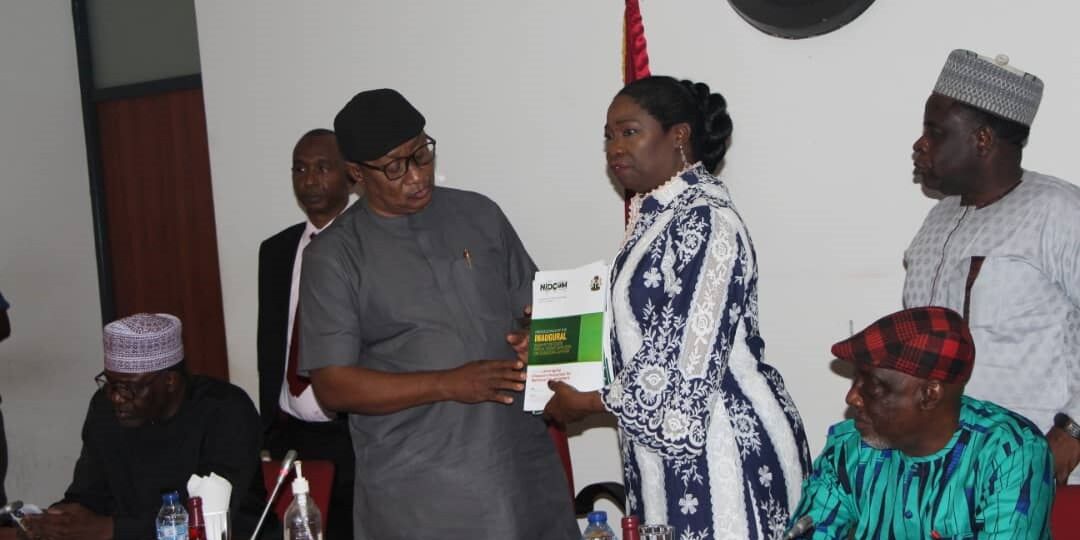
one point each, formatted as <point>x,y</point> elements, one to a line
<point>468,258</point>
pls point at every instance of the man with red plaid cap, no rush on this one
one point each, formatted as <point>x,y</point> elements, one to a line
<point>919,459</point>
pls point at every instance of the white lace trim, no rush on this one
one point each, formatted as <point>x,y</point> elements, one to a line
<point>653,488</point>
<point>770,412</point>
<point>725,477</point>
<point>708,301</point>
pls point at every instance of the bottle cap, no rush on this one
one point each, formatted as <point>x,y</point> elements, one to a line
<point>171,497</point>
<point>598,516</point>
<point>300,484</point>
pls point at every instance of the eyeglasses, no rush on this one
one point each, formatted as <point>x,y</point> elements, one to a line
<point>126,391</point>
<point>397,168</point>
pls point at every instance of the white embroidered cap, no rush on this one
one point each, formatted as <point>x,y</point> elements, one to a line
<point>992,85</point>
<point>143,343</point>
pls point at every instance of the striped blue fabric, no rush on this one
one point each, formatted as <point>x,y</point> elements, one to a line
<point>992,480</point>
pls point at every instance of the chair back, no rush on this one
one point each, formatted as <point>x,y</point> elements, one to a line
<point>562,446</point>
<point>584,501</point>
<point>1065,515</point>
<point>320,476</point>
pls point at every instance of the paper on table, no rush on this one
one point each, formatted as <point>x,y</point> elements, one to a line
<point>214,490</point>
<point>29,509</point>
<point>567,331</point>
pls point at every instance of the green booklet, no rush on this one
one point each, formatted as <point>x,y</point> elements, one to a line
<point>566,338</point>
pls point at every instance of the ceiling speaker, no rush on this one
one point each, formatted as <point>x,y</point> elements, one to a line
<point>798,19</point>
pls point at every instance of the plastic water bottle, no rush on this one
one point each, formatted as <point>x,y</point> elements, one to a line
<point>172,519</point>
<point>598,528</point>
<point>303,521</point>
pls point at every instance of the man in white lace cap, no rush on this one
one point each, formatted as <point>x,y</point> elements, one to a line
<point>148,429</point>
<point>1002,247</point>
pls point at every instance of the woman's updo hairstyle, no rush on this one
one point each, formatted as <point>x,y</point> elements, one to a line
<point>671,102</point>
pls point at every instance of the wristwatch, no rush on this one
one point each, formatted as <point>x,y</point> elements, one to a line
<point>1066,424</point>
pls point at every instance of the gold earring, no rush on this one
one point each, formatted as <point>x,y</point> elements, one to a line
<point>682,154</point>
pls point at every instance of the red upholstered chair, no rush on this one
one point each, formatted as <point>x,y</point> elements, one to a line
<point>586,499</point>
<point>562,446</point>
<point>1065,516</point>
<point>320,477</point>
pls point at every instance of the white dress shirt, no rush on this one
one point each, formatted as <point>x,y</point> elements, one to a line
<point>305,406</point>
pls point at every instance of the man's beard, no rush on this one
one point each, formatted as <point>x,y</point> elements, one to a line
<point>875,441</point>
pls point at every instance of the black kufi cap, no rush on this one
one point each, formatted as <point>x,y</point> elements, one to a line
<point>374,122</point>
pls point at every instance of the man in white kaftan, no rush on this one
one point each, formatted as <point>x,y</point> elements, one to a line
<point>1002,248</point>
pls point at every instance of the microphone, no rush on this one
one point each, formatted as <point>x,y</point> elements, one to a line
<point>286,466</point>
<point>802,526</point>
<point>10,508</point>
<point>13,509</point>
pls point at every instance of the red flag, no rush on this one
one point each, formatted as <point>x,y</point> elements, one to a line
<point>635,62</point>
<point>635,53</point>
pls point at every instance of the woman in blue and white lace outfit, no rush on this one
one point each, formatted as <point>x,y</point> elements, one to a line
<point>711,441</point>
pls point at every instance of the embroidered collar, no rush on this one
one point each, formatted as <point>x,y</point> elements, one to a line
<point>660,197</point>
<point>663,194</point>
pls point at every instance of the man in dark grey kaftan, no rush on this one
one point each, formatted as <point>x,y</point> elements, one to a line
<point>406,303</point>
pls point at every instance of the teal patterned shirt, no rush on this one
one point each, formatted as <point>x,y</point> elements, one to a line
<point>993,480</point>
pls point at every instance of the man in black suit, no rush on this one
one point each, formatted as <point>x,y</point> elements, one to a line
<point>291,416</point>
